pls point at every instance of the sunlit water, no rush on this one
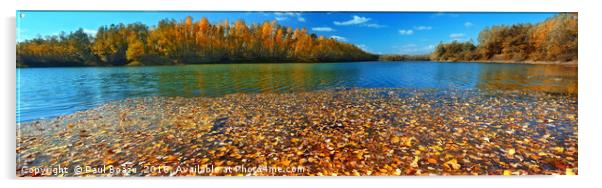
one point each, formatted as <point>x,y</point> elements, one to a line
<point>49,92</point>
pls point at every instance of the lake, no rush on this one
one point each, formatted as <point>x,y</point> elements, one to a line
<point>50,92</point>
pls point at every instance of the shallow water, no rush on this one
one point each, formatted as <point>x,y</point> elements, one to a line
<point>49,92</point>
<point>377,132</point>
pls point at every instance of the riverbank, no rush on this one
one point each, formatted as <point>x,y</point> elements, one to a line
<point>139,64</point>
<point>334,132</point>
<point>566,63</point>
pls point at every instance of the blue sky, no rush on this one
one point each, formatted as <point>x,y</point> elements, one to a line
<point>376,32</point>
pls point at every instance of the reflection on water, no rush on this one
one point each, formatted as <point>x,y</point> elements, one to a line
<point>547,78</point>
<point>47,92</point>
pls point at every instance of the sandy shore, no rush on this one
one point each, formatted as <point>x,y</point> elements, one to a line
<point>335,132</point>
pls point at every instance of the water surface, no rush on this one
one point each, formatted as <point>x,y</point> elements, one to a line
<point>49,92</point>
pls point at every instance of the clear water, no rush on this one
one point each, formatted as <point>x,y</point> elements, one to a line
<point>49,92</point>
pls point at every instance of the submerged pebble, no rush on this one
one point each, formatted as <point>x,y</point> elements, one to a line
<point>332,132</point>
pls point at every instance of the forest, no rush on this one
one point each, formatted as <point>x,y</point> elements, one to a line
<point>173,42</point>
<point>185,42</point>
<point>554,39</point>
<point>404,57</point>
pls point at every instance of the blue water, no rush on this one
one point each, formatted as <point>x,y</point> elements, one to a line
<point>49,92</point>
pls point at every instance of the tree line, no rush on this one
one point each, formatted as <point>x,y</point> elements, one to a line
<point>403,57</point>
<point>554,39</point>
<point>185,42</point>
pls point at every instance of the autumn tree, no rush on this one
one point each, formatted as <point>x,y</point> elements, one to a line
<point>71,49</point>
<point>454,51</point>
<point>186,42</point>
<point>554,39</point>
<point>110,45</point>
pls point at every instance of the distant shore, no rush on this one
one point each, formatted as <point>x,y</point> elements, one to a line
<point>566,63</point>
<point>529,62</point>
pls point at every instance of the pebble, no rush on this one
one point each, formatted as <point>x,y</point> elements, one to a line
<point>358,132</point>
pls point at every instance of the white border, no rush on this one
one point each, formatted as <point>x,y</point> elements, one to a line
<point>306,5</point>
<point>590,68</point>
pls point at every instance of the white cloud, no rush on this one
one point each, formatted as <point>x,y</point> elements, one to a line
<point>413,49</point>
<point>360,21</point>
<point>416,28</point>
<point>422,27</point>
<point>338,38</point>
<point>356,20</point>
<point>287,13</point>
<point>324,29</point>
<point>468,24</point>
<point>439,14</point>
<point>406,32</point>
<point>373,25</point>
<point>409,46</point>
<point>363,47</point>
<point>282,16</point>
<point>456,36</point>
<point>90,31</point>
